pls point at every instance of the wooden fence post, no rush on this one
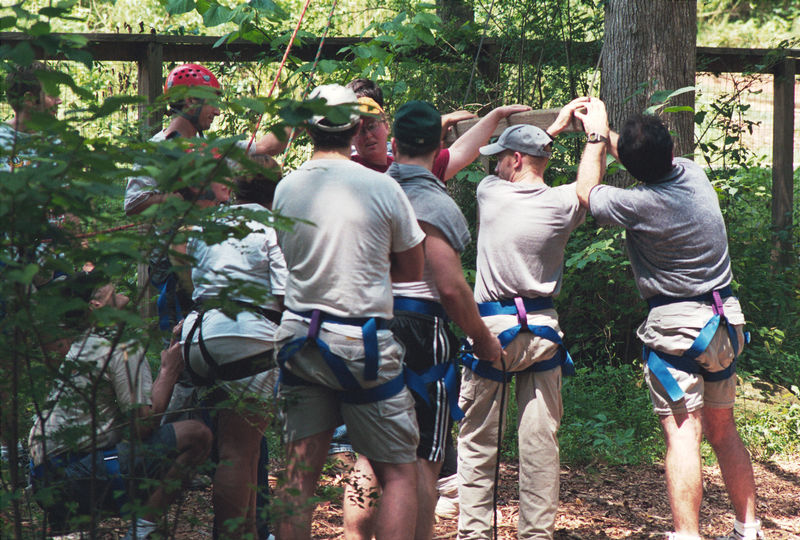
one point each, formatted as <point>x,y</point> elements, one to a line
<point>782,154</point>
<point>150,83</point>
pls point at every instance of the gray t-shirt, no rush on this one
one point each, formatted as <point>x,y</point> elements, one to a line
<point>433,205</point>
<point>675,234</point>
<point>339,259</point>
<point>523,231</point>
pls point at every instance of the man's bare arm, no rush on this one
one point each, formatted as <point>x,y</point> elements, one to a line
<point>408,265</point>
<point>456,296</point>
<point>593,161</point>
<point>466,148</point>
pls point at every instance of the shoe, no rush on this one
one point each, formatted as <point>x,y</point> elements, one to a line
<point>447,508</point>
<point>144,530</point>
<point>733,535</point>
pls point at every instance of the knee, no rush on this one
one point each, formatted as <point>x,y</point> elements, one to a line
<point>194,438</point>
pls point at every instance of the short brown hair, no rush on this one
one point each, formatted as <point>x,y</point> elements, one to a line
<point>22,81</point>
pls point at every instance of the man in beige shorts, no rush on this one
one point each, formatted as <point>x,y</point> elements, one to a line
<point>355,233</point>
<point>678,248</point>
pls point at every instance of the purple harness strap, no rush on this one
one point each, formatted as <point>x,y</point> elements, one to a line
<point>522,315</point>
<point>716,303</point>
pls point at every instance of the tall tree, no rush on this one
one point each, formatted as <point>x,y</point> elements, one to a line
<point>649,45</point>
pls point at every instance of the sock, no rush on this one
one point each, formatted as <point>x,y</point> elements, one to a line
<point>748,531</point>
<point>143,528</point>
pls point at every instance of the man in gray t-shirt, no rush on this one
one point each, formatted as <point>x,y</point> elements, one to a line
<point>524,228</point>
<point>678,248</point>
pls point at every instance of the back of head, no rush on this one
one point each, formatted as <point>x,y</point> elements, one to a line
<point>23,81</point>
<point>367,88</point>
<point>645,147</point>
<point>258,187</point>
<point>334,132</point>
<point>417,129</point>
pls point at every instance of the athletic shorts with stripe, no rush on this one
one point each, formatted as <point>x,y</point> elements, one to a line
<point>428,341</point>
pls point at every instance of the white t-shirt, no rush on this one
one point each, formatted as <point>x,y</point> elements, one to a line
<point>523,231</point>
<point>255,260</point>
<point>338,258</point>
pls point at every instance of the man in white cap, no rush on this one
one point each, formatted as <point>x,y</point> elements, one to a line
<point>356,233</point>
<point>524,228</point>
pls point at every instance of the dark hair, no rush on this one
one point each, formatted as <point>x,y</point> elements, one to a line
<point>413,150</point>
<point>367,88</point>
<point>81,287</point>
<point>22,81</point>
<point>645,147</point>
<point>330,140</point>
<point>258,187</point>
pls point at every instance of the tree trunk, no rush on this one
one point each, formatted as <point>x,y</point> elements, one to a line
<point>649,45</point>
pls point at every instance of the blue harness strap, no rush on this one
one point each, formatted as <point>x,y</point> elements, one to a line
<point>658,362</point>
<point>446,372</point>
<point>351,392</point>
<point>519,306</point>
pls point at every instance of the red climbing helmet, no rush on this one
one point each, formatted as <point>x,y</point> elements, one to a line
<point>191,75</point>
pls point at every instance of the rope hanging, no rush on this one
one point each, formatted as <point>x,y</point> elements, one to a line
<point>280,68</point>
<point>311,76</point>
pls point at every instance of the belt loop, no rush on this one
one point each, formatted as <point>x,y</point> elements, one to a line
<point>313,327</point>
<point>717,303</point>
<point>522,315</point>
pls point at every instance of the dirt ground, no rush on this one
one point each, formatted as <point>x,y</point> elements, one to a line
<point>598,502</point>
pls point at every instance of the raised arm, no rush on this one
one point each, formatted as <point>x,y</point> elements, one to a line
<point>465,150</point>
<point>593,161</point>
<point>452,118</point>
<point>565,115</point>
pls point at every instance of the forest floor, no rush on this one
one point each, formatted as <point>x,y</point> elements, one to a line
<point>596,502</point>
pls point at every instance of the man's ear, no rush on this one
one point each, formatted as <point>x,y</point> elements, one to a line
<point>394,147</point>
<point>517,160</point>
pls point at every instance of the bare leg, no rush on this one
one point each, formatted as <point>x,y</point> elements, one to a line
<point>734,461</point>
<point>305,460</point>
<point>683,433</point>
<point>427,474</point>
<point>361,499</point>
<point>193,440</point>
<point>238,435</point>
<point>399,502</point>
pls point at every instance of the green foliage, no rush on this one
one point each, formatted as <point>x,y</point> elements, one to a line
<point>608,418</point>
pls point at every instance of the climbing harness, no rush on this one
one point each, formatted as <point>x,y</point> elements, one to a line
<point>519,306</point>
<point>446,371</point>
<point>352,392</point>
<point>658,362</point>
<point>227,371</point>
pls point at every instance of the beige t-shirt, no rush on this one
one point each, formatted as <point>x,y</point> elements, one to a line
<point>339,257</point>
<point>523,231</point>
<point>125,382</point>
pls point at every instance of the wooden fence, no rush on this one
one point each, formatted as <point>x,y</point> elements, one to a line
<point>150,51</point>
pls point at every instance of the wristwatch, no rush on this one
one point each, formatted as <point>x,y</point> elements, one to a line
<point>596,138</point>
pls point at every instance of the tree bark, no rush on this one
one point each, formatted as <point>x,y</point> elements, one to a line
<point>649,45</point>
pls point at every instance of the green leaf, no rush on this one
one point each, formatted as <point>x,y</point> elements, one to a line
<point>39,28</point>
<point>662,96</point>
<point>22,54</point>
<point>176,7</point>
<point>216,15</point>
<point>7,22</point>
<point>678,108</point>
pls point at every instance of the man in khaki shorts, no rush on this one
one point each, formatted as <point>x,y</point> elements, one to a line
<point>678,248</point>
<point>356,232</point>
<point>524,228</point>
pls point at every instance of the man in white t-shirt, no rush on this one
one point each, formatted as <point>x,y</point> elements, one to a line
<point>355,233</point>
<point>524,228</point>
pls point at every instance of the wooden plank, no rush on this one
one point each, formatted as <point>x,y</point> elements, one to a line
<point>541,119</point>
<point>129,47</point>
<point>782,154</point>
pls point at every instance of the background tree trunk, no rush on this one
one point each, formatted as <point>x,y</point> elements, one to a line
<point>649,45</point>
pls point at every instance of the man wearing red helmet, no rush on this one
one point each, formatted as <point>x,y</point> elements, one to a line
<point>191,116</point>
